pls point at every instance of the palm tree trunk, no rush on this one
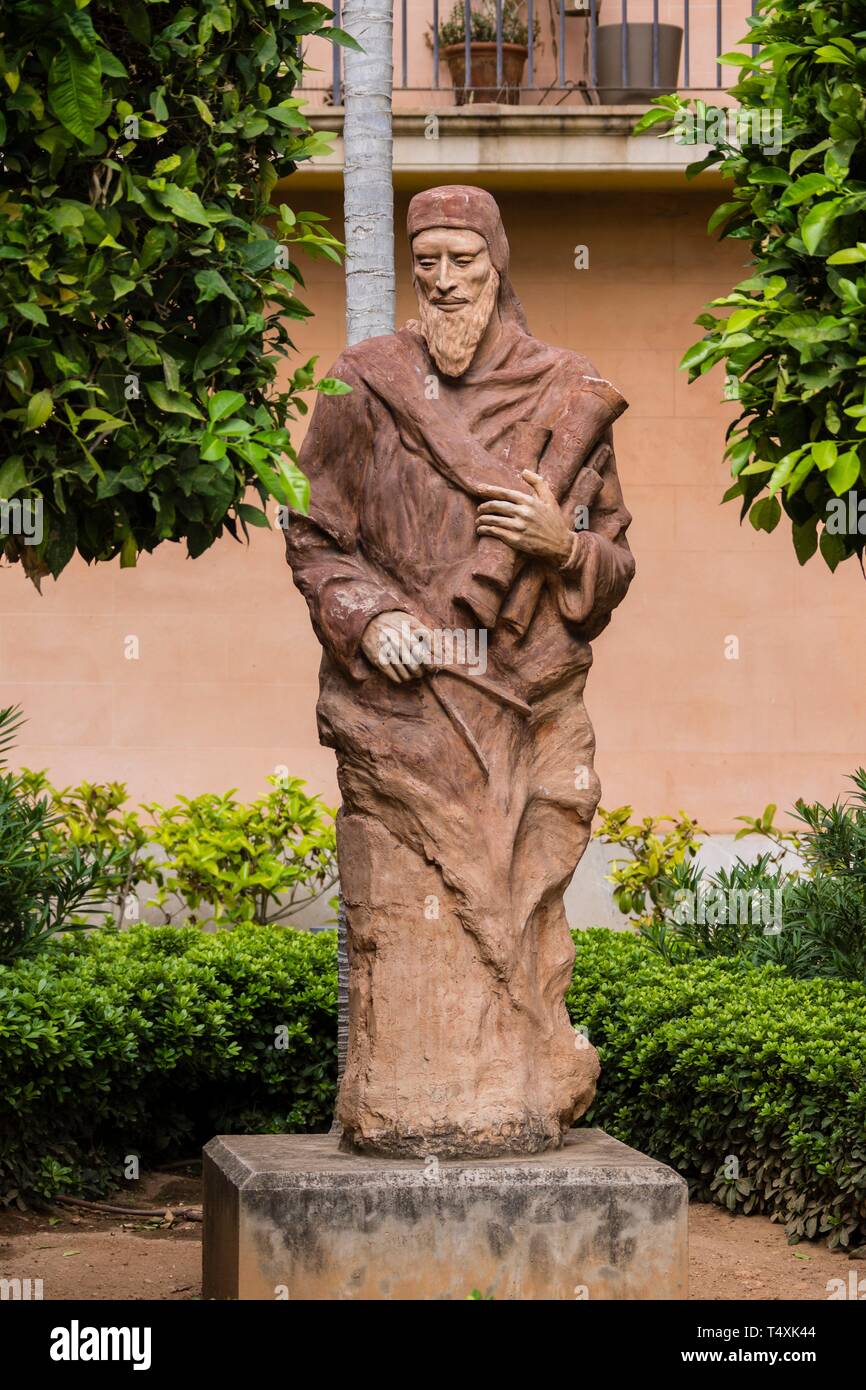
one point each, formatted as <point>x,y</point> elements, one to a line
<point>370,285</point>
<point>368,185</point>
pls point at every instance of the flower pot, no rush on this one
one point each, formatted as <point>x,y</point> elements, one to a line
<point>483,85</point>
<point>639,52</point>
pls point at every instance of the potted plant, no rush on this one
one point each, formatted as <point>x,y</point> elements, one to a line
<point>482,84</point>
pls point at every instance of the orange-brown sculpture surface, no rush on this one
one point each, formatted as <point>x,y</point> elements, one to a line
<point>465,543</point>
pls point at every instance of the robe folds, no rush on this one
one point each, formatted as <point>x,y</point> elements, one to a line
<point>467,796</point>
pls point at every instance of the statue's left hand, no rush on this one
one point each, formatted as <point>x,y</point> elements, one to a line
<point>533,524</point>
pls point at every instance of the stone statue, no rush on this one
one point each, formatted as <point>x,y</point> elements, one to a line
<point>464,545</point>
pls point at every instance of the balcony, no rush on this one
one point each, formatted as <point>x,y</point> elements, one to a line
<point>550,96</point>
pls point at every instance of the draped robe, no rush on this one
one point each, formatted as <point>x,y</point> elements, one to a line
<point>466,807</point>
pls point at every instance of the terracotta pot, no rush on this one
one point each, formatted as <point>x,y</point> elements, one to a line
<point>482,84</point>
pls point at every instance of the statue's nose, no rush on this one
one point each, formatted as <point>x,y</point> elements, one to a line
<point>444,278</point>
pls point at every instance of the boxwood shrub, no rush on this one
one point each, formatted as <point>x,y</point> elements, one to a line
<point>150,1040</point>
<point>749,1083</point>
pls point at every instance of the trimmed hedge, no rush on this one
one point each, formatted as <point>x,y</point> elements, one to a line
<point>151,1040</point>
<point>711,1060</point>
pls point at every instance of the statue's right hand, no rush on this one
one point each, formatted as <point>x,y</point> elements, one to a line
<point>397,645</point>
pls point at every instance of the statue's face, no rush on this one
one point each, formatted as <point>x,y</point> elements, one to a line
<point>457,287</point>
<point>452,266</point>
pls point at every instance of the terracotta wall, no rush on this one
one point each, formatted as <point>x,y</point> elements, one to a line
<point>223,688</point>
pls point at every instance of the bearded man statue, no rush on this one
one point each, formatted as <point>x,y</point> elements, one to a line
<point>465,543</point>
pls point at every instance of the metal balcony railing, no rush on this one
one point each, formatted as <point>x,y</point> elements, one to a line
<point>606,52</point>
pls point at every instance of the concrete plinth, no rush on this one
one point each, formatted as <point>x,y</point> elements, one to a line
<point>291,1216</point>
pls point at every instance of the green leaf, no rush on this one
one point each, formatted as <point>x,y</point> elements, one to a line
<point>39,407</point>
<point>770,174</point>
<point>722,214</point>
<point>829,53</point>
<point>252,515</point>
<point>782,472</point>
<point>832,549</point>
<point>121,285</point>
<point>331,386</point>
<point>849,256</point>
<point>173,402</point>
<point>736,60</point>
<point>809,186</point>
<point>223,404</point>
<point>845,472</point>
<point>211,284</point>
<point>801,156</point>
<point>285,482</point>
<point>824,453</point>
<point>110,66</point>
<point>128,552</point>
<point>818,221</point>
<point>286,115</point>
<point>13,476</point>
<point>698,353</point>
<point>339,36</point>
<point>800,474</point>
<point>650,119</point>
<point>170,371</point>
<point>203,110</point>
<point>65,216</point>
<point>33,313</point>
<point>184,204</point>
<point>212,448</point>
<point>75,92</point>
<point>805,538</point>
<point>259,254</point>
<point>765,514</point>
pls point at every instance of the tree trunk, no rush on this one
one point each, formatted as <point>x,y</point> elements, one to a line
<point>370,285</point>
<point>368,186</point>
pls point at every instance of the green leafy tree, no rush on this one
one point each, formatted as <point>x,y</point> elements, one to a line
<point>148,285</point>
<point>792,335</point>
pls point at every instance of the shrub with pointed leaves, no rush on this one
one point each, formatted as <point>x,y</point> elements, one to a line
<point>148,284</point>
<point>793,334</point>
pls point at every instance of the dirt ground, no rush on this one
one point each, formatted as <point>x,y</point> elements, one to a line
<point>79,1254</point>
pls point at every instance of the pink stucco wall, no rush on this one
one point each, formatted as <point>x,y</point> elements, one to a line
<point>223,689</point>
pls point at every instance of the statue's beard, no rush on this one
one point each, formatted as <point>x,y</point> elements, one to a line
<point>453,335</point>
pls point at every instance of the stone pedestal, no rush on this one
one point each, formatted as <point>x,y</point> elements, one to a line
<point>292,1216</point>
